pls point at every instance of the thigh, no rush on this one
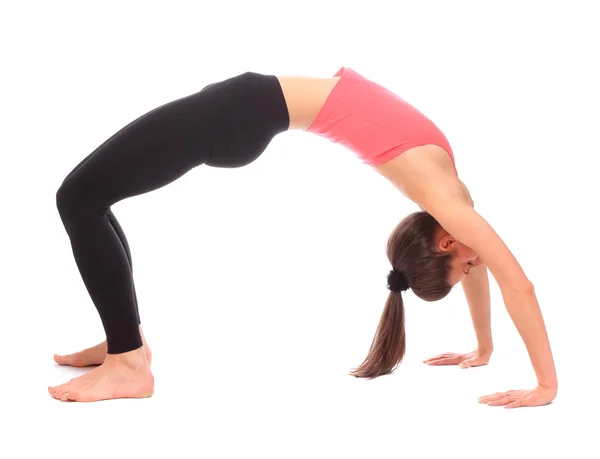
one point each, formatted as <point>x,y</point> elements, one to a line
<point>100,148</point>
<point>150,152</point>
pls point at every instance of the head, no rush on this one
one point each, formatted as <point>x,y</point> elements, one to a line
<point>433,262</point>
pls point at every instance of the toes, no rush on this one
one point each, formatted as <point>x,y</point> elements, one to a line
<point>54,392</point>
<point>61,359</point>
<point>82,396</point>
<point>62,392</point>
<point>59,390</point>
<point>76,360</point>
<point>73,360</point>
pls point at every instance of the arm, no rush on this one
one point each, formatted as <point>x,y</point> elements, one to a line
<point>477,291</point>
<point>462,221</point>
<point>476,287</point>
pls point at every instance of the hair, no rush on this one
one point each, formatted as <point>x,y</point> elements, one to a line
<point>411,248</point>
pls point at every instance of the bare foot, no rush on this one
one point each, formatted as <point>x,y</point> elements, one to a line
<point>125,375</point>
<point>95,355</point>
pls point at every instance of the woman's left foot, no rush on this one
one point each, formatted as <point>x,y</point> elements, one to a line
<point>95,355</point>
<point>125,375</point>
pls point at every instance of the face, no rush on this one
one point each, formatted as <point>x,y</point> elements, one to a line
<point>465,258</point>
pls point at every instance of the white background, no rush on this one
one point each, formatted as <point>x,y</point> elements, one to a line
<point>260,288</point>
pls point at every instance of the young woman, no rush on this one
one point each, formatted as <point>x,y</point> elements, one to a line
<point>229,124</point>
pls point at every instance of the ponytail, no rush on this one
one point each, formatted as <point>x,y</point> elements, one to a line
<point>389,344</point>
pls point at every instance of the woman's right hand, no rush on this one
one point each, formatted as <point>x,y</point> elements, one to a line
<point>471,359</point>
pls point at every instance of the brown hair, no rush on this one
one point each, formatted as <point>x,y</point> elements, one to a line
<point>411,248</point>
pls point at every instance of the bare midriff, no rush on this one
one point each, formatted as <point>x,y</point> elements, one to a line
<point>305,97</point>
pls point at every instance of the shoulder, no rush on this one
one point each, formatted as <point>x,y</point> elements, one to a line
<point>453,211</point>
<point>427,177</point>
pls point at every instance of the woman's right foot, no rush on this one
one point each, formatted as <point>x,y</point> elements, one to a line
<point>94,355</point>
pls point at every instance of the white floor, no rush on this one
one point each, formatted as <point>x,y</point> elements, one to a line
<point>261,288</point>
<point>243,399</point>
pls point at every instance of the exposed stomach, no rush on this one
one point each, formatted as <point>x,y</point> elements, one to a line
<point>305,96</point>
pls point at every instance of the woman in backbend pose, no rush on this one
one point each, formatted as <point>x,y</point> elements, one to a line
<point>229,124</point>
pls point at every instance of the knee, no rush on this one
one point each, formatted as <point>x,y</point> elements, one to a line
<point>67,200</point>
<point>62,199</point>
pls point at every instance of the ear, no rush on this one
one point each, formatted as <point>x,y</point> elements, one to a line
<point>446,242</point>
<point>457,217</point>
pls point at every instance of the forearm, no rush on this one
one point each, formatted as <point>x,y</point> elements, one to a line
<point>477,292</point>
<point>525,313</point>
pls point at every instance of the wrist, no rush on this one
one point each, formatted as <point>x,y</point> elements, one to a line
<point>485,349</point>
<point>550,386</point>
<point>548,391</point>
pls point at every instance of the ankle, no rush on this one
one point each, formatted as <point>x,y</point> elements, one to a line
<point>144,342</point>
<point>134,359</point>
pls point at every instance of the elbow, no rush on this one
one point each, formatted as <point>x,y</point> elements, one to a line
<point>519,290</point>
<point>526,288</point>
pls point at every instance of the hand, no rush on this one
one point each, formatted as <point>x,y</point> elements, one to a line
<point>471,359</point>
<point>515,398</point>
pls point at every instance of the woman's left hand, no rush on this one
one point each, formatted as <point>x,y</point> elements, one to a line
<point>470,359</point>
<point>515,398</point>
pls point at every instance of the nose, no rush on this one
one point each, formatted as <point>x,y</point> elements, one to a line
<point>477,261</point>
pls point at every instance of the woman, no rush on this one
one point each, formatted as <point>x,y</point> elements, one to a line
<point>229,124</point>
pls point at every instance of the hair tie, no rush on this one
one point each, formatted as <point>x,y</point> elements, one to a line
<point>397,281</point>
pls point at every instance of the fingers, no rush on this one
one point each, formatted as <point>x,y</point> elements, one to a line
<point>441,356</point>
<point>498,399</point>
<point>475,362</point>
<point>510,402</point>
<point>505,400</point>
<point>510,399</point>
<point>516,404</point>
<point>471,359</point>
<point>447,361</point>
<point>523,401</point>
<point>492,397</point>
<point>468,363</point>
<point>517,393</point>
<point>510,393</point>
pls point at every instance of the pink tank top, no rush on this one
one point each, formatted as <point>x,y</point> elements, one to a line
<point>372,121</point>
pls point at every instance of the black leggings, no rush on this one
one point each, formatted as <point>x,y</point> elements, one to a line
<point>226,124</point>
